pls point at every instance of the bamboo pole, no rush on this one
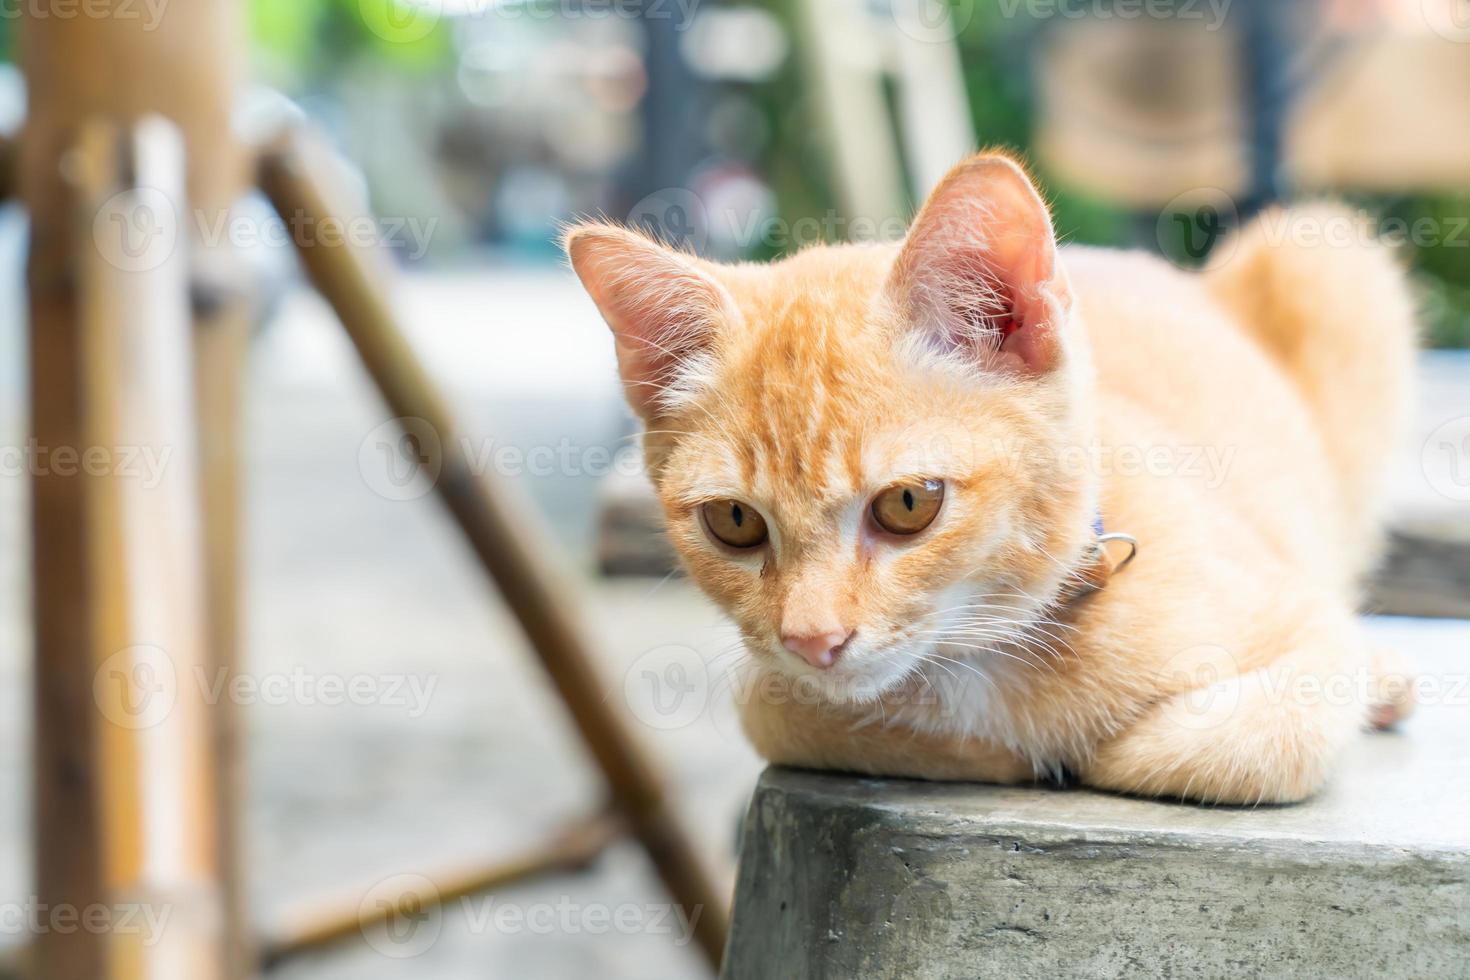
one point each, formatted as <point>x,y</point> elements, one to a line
<point>155,846</point>
<point>223,315</point>
<point>573,849</point>
<point>298,176</point>
<point>122,62</point>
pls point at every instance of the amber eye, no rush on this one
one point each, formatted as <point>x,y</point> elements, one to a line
<point>734,523</point>
<point>909,507</point>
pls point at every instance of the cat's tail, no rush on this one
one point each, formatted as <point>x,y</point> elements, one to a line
<point>1331,304</point>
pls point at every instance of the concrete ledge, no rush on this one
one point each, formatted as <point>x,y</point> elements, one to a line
<point>844,877</point>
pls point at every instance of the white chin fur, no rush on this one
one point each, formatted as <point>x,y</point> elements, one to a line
<point>853,682</point>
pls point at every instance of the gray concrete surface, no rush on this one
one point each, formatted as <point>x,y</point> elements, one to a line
<point>845,877</point>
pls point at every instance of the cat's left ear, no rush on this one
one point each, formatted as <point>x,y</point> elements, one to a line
<point>978,271</point>
<point>662,306</point>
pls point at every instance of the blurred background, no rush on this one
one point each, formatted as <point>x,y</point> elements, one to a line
<point>742,130</point>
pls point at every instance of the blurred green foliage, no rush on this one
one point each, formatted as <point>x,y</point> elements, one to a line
<point>995,53</point>
<point>303,44</point>
<point>1436,233</point>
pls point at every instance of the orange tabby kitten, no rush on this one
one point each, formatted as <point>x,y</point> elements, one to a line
<point>890,465</point>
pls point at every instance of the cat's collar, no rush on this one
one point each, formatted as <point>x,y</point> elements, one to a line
<point>1098,563</point>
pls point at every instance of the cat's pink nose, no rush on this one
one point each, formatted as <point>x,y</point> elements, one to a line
<point>818,649</point>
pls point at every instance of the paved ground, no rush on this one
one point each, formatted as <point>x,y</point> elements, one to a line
<point>460,753</point>
<point>347,582</point>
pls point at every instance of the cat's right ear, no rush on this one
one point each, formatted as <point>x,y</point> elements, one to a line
<point>978,271</point>
<point>662,308</point>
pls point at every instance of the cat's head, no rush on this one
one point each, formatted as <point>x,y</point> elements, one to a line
<point>854,442</point>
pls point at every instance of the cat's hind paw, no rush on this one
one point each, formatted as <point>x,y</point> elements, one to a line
<point>1391,690</point>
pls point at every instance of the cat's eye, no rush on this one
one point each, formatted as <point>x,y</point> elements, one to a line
<point>908,508</point>
<point>734,523</point>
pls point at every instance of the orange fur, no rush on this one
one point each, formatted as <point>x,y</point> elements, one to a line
<point>1234,421</point>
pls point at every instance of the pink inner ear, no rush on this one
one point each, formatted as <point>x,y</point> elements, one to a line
<point>661,308</point>
<point>981,260</point>
<point>993,309</point>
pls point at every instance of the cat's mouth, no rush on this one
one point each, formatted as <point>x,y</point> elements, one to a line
<point>863,674</point>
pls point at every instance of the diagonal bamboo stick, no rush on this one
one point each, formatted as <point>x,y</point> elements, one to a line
<point>299,177</point>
